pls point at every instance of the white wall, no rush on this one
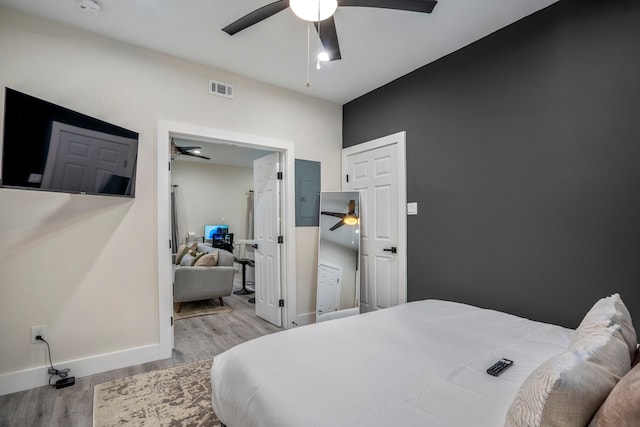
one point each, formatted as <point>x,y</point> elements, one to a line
<point>211,194</point>
<point>86,266</point>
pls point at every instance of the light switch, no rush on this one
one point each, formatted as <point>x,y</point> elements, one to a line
<point>412,208</point>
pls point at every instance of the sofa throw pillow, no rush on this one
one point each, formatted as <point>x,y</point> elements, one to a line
<point>568,389</point>
<point>187,259</point>
<point>196,256</point>
<point>622,407</point>
<point>207,260</point>
<point>183,250</point>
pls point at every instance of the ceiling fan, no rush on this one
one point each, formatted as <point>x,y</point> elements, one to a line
<point>193,151</point>
<point>349,218</point>
<point>325,26</point>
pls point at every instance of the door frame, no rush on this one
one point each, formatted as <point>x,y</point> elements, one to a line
<point>170,129</point>
<point>398,139</point>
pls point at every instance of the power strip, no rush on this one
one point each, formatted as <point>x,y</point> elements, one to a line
<point>65,382</point>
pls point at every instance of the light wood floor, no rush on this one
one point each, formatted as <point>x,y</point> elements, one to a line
<point>196,338</point>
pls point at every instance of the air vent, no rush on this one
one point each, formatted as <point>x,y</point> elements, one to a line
<point>220,89</point>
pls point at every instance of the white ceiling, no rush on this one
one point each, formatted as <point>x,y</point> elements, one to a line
<point>220,153</point>
<point>377,45</point>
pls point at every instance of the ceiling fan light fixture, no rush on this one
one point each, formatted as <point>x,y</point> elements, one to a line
<point>313,10</point>
<point>323,56</point>
<point>350,220</point>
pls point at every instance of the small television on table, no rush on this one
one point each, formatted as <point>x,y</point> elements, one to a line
<point>215,231</point>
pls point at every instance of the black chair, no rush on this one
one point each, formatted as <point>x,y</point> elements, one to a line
<point>244,291</point>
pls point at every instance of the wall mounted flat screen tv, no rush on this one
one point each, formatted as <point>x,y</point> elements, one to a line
<point>51,148</point>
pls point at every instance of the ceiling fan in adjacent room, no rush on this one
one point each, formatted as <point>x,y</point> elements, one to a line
<point>194,151</point>
<point>349,218</point>
<point>321,13</point>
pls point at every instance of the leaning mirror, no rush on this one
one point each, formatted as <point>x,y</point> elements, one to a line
<point>338,255</point>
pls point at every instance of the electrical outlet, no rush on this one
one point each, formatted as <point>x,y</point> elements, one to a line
<point>38,330</point>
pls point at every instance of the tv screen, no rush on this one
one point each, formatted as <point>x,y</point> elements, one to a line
<point>213,231</point>
<point>52,148</point>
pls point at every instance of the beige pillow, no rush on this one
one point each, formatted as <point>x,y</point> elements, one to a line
<point>568,389</point>
<point>207,260</point>
<point>622,407</point>
<point>604,313</point>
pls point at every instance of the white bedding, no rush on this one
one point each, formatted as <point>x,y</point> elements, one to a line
<point>418,364</point>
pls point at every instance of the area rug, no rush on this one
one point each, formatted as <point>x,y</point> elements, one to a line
<point>200,308</point>
<point>177,396</point>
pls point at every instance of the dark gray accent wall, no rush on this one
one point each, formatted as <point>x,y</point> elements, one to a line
<point>523,153</point>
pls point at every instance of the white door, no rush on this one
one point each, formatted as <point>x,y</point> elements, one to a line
<point>266,231</point>
<point>329,288</point>
<point>377,170</point>
<point>83,160</point>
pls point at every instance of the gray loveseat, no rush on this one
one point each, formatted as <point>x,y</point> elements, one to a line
<point>194,283</point>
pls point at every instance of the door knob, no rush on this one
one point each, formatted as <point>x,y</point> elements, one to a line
<point>392,249</point>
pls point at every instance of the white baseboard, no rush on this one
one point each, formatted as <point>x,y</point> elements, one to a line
<point>306,318</point>
<point>38,377</point>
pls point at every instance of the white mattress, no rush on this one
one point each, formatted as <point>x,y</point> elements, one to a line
<point>418,364</point>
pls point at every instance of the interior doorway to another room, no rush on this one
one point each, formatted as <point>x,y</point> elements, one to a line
<point>212,197</point>
<point>230,150</point>
<point>212,191</point>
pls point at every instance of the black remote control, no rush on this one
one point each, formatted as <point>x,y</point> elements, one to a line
<point>499,367</point>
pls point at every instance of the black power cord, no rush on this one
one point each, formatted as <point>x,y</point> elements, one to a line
<point>64,380</point>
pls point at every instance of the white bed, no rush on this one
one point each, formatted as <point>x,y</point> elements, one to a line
<point>418,364</point>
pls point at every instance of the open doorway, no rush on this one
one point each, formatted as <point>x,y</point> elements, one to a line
<point>169,130</point>
<point>212,207</point>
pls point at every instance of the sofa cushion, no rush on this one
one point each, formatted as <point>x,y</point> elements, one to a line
<point>205,248</point>
<point>191,258</point>
<point>183,250</point>
<point>187,259</point>
<point>207,260</point>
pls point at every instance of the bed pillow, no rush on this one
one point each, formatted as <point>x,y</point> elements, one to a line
<point>207,260</point>
<point>604,313</point>
<point>622,406</point>
<point>568,389</point>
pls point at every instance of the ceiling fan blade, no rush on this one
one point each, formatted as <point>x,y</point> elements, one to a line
<point>352,207</point>
<point>336,214</point>
<point>337,225</point>
<point>425,6</point>
<point>256,16</point>
<point>196,155</point>
<point>329,38</point>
